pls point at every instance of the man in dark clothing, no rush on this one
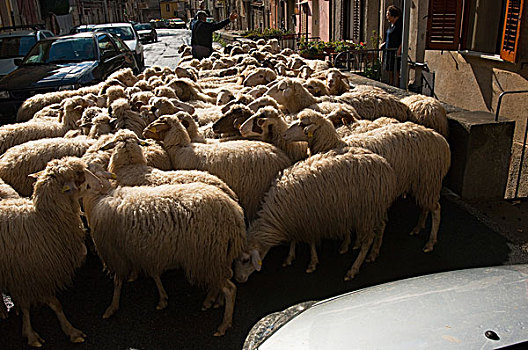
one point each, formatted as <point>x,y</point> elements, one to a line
<point>202,34</point>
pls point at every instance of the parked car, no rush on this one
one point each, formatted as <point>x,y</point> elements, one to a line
<point>62,63</point>
<point>15,42</point>
<point>129,35</point>
<point>177,23</point>
<point>146,32</point>
<point>159,23</point>
<point>82,28</point>
<point>479,308</point>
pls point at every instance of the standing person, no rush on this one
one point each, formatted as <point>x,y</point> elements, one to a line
<point>202,34</point>
<point>393,40</point>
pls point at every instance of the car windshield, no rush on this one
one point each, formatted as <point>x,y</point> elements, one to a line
<point>62,50</point>
<point>143,27</point>
<point>124,33</point>
<point>16,46</point>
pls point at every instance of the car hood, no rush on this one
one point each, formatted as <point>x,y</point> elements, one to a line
<point>41,76</point>
<point>481,308</point>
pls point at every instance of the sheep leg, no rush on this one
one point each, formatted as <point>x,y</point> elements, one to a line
<point>314,260</point>
<point>434,229</point>
<point>344,246</point>
<point>75,335</point>
<point>163,297</point>
<point>220,301</point>
<point>229,290</point>
<point>421,223</point>
<point>365,246</point>
<point>291,255</point>
<point>27,331</point>
<point>376,245</point>
<point>210,298</point>
<point>114,306</point>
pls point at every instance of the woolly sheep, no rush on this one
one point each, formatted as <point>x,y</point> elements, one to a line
<point>230,122</point>
<point>187,90</point>
<point>37,102</point>
<point>428,112</point>
<point>164,91</point>
<point>223,97</point>
<point>126,118</point>
<point>263,101</point>
<point>316,87</point>
<point>113,93</point>
<point>195,227</point>
<point>43,244</point>
<point>20,161</point>
<point>130,167</point>
<point>247,167</point>
<point>304,204</point>
<point>336,82</point>
<point>259,76</point>
<point>140,99</point>
<point>14,134</point>
<point>375,103</point>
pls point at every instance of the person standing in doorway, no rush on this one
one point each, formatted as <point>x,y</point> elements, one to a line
<point>202,33</point>
<point>393,41</point>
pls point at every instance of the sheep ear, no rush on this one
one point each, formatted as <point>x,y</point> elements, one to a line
<point>108,146</point>
<point>309,131</point>
<point>68,187</point>
<point>35,175</point>
<point>79,108</point>
<point>185,123</point>
<point>256,261</point>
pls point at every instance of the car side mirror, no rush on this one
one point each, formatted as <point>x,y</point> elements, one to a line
<point>18,61</point>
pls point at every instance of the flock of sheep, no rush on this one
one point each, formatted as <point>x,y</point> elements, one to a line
<point>205,168</point>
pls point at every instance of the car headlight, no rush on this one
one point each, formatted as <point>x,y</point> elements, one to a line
<point>4,94</point>
<point>68,87</point>
<point>264,328</point>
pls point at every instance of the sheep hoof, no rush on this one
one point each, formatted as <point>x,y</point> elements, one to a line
<point>343,250</point>
<point>222,329</point>
<point>162,304</point>
<point>109,312</point>
<point>350,275</point>
<point>311,268</point>
<point>428,248</point>
<point>35,340</point>
<point>77,336</point>
<point>133,277</point>
<point>218,303</point>
<point>287,262</point>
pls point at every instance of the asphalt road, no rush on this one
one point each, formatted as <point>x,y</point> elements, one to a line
<point>464,242</point>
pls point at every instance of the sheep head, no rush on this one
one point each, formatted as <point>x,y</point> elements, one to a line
<point>261,124</point>
<point>263,101</point>
<point>169,130</point>
<point>189,124</point>
<point>316,87</point>
<point>126,150</point>
<point>291,94</point>
<point>224,97</point>
<point>230,122</point>
<point>165,91</point>
<point>337,82</point>
<point>246,264</point>
<point>309,121</point>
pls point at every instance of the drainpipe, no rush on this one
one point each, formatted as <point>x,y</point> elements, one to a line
<point>404,69</point>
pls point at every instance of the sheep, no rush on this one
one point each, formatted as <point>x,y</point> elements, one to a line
<point>101,125</point>
<point>163,105</point>
<point>419,156</point>
<point>191,127</point>
<point>259,76</point>
<point>6,192</point>
<point>247,167</point>
<point>126,118</point>
<point>243,99</point>
<point>43,243</point>
<point>140,99</point>
<point>20,161</point>
<point>336,82</point>
<point>113,93</point>
<point>37,102</point>
<point>305,72</point>
<point>223,97</point>
<point>263,101</point>
<point>188,90</point>
<point>268,125</point>
<point>316,87</point>
<point>294,97</point>
<point>196,227</point>
<point>164,91</point>
<point>130,167</point>
<point>189,72</point>
<point>304,204</point>
<point>428,112</point>
<point>14,134</point>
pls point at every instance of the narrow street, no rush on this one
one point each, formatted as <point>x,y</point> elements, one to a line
<point>463,242</point>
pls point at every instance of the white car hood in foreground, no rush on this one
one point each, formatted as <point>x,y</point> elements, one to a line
<point>485,308</point>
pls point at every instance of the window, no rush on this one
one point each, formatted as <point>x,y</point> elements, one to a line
<point>487,26</point>
<point>105,44</point>
<point>167,7</point>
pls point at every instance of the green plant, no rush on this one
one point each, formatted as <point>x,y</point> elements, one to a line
<point>374,71</point>
<point>375,40</point>
<point>218,38</point>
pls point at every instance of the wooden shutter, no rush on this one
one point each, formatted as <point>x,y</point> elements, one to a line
<point>443,24</point>
<point>512,28</point>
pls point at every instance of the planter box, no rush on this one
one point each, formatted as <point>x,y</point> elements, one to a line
<point>313,56</point>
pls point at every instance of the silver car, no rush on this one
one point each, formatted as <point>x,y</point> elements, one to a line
<point>127,33</point>
<point>481,308</point>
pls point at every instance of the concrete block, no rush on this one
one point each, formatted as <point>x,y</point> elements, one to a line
<point>480,154</point>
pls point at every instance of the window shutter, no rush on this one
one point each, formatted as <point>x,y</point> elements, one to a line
<point>443,24</point>
<point>512,28</point>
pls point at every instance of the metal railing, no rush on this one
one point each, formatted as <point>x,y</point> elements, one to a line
<point>521,162</point>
